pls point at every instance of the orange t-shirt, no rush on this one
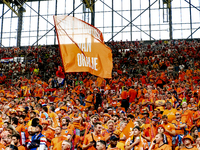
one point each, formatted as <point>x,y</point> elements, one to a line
<point>194,148</point>
<point>89,101</point>
<point>187,118</point>
<point>20,128</point>
<point>21,147</point>
<point>197,114</point>
<point>171,128</point>
<point>76,124</point>
<point>49,134</point>
<point>88,139</point>
<point>164,147</point>
<point>132,94</point>
<point>57,142</point>
<point>176,123</point>
<point>55,119</point>
<point>65,132</point>
<point>170,114</point>
<point>124,95</point>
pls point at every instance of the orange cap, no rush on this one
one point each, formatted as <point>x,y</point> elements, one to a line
<point>64,108</point>
<point>107,115</point>
<point>117,132</point>
<point>45,122</point>
<point>188,137</point>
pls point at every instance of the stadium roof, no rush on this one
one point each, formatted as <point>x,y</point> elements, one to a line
<point>28,1</point>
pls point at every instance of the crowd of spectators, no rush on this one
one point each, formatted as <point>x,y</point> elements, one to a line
<point>151,101</point>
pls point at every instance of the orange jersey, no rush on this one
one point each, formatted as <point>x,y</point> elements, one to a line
<point>66,132</point>
<point>49,134</point>
<point>88,139</point>
<point>141,145</point>
<point>197,114</point>
<point>187,118</point>
<point>170,114</point>
<point>194,148</point>
<point>56,141</point>
<point>169,127</point>
<point>20,128</point>
<point>164,147</point>
<point>177,123</point>
<point>21,147</point>
<point>76,124</point>
<point>54,116</point>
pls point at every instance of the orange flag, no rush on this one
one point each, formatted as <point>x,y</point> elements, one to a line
<point>128,130</point>
<point>82,47</point>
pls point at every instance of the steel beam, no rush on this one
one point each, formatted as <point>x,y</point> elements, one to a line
<point>2,23</point>
<point>93,14</point>
<point>190,18</point>
<point>192,5</point>
<point>134,20</point>
<point>131,26</point>
<point>149,21</point>
<point>19,28</point>
<point>170,22</point>
<point>54,26</point>
<point>38,21</point>
<point>4,13</point>
<point>56,7</point>
<point>193,32</point>
<point>112,19</point>
<point>8,4</point>
<point>73,6</point>
<point>39,14</point>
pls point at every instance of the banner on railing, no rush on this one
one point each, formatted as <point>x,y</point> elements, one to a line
<point>5,60</point>
<point>11,59</point>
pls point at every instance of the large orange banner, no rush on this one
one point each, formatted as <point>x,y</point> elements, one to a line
<point>82,47</point>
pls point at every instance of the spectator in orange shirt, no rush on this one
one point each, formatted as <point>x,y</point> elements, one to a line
<point>132,94</point>
<point>47,132</point>
<point>180,125</point>
<point>16,141</point>
<point>56,142</point>
<point>170,112</point>
<point>192,106</point>
<point>187,116</point>
<point>169,129</point>
<point>66,145</point>
<point>111,128</point>
<point>91,139</point>
<point>161,145</point>
<point>137,142</point>
<point>197,118</point>
<point>101,145</point>
<point>187,140</point>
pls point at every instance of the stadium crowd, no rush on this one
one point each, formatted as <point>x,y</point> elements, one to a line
<point>151,102</point>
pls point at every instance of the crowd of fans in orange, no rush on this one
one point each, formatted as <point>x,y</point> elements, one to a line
<point>151,102</point>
